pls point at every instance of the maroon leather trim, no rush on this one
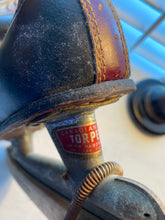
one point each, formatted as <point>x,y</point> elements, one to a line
<point>111,53</point>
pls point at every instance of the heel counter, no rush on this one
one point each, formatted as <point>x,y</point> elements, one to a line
<point>110,50</point>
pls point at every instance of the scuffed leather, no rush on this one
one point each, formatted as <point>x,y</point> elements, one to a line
<point>46,50</point>
<point>108,40</point>
<point>49,48</point>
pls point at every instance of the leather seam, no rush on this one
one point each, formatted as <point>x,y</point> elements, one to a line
<point>126,56</point>
<point>94,30</point>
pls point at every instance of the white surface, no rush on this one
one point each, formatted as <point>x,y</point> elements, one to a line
<point>140,155</point>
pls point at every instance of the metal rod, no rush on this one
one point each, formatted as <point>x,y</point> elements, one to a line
<point>77,140</point>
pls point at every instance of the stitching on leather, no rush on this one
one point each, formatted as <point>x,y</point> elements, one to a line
<point>122,39</point>
<point>100,60</point>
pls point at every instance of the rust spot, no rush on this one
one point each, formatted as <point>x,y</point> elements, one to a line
<point>116,37</point>
<point>100,7</point>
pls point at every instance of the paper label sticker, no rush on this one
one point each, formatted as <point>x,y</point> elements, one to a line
<point>81,140</point>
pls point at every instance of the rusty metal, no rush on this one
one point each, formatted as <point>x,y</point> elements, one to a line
<point>68,114</point>
<point>72,126</point>
<point>24,142</point>
<point>114,198</point>
<point>75,134</point>
<point>91,181</point>
<point>53,205</point>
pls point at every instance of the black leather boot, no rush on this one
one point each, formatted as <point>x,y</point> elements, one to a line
<point>55,55</point>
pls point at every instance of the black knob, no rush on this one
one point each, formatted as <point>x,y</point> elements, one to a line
<point>148,105</point>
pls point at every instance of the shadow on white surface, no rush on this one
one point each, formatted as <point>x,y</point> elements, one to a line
<point>5,176</point>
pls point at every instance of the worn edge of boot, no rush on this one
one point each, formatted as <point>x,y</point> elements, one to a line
<point>46,108</point>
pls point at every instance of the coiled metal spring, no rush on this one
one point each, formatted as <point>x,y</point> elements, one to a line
<point>95,176</point>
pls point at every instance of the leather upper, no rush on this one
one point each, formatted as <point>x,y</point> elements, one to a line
<point>56,45</point>
<point>109,44</point>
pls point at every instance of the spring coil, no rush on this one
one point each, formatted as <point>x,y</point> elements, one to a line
<point>95,176</point>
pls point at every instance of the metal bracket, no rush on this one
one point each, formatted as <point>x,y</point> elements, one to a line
<point>75,134</point>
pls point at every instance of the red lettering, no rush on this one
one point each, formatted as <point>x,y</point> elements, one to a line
<point>84,139</point>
